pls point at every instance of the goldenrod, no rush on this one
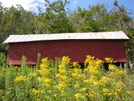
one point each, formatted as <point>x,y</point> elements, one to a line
<point>75,65</point>
<point>128,92</point>
<point>109,60</point>
<point>104,80</point>
<point>1,90</point>
<point>35,91</point>
<point>112,67</point>
<point>32,74</point>
<point>78,95</point>
<point>54,95</point>
<point>39,79</point>
<point>83,89</point>
<point>47,80</point>
<point>63,93</point>
<point>60,86</point>
<point>62,70</point>
<point>120,84</point>
<point>44,59</point>
<point>91,95</point>
<point>19,79</point>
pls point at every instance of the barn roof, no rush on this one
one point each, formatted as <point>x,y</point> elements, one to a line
<point>66,36</point>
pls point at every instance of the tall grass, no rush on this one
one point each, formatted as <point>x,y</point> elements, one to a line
<point>63,80</point>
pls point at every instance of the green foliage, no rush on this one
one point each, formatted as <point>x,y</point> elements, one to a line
<point>55,19</point>
<point>15,21</point>
<point>3,60</point>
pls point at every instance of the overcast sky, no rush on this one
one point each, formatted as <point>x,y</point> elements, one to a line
<point>31,4</point>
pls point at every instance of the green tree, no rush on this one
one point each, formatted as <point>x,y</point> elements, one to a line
<point>90,20</point>
<point>15,21</point>
<point>125,22</point>
<point>81,20</point>
<point>54,19</point>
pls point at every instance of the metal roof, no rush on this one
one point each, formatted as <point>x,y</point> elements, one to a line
<point>66,36</point>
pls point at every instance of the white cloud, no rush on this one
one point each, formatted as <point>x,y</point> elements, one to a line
<point>75,2</point>
<point>27,4</point>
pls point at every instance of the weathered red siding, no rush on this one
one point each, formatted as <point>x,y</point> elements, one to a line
<point>75,49</point>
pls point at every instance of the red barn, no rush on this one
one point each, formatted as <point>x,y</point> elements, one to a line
<point>74,45</point>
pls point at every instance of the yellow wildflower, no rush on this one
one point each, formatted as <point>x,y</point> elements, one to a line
<point>63,93</point>
<point>43,66</point>
<point>77,85</point>
<point>65,60</point>
<point>91,95</point>
<point>44,71</point>
<point>86,81</point>
<point>82,76</point>
<point>35,91</point>
<point>61,65</point>
<point>75,65</point>
<point>61,77</point>
<point>92,79</point>
<point>92,92</point>
<point>118,90</point>
<point>109,60</point>
<point>112,67</point>
<point>19,79</point>
<point>46,84</point>
<point>128,92</point>
<point>89,58</point>
<point>44,59</point>
<point>93,71</point>
<point>107,92</point>
<point>120,84</point>
<point>62,70</point>
<point>1,90</point>
<point>17,67</point>
<point>83,89</point>
<point>32,74</point>
<point>99,63</point>
<point>60,86</point>
<point>47,80</point>
<point>104,80</point>
<point>46,97</point>
<point>77,70</point>
<point>39,79</point>
<point>4,98</point>
<point>58,75</point>
<point>49,91</point>
<point>78,95</point>
<point>75,75</point>
<point>121,73</point>
<point>54,95</point>
<point>10,88</point>
<point>96,83</point>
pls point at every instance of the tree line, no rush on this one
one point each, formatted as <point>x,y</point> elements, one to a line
<point>57,18</point>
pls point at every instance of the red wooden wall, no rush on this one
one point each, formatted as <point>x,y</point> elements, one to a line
<point>75,49</point>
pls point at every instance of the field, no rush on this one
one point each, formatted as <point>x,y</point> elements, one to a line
<point>63,80</point>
